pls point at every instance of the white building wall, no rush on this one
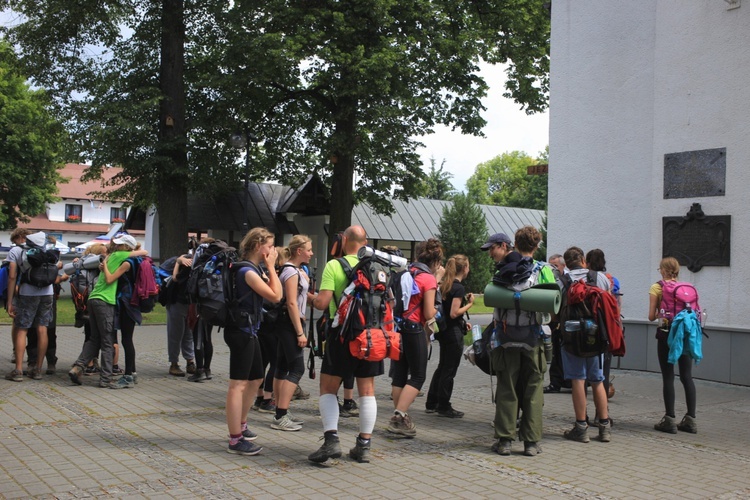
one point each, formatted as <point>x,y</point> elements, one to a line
<point>630,82</point>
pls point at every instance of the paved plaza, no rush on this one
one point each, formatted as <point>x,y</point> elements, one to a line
<point>166,439</point>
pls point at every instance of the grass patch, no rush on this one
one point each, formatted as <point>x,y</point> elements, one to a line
<point>479,307</point>
<point>66,314</point>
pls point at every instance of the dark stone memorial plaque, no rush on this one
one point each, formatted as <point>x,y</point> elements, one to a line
<point>692,174</point>
<point>697,240</point>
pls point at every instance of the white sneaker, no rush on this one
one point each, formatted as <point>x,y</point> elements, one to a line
<point>295,418</point>
<point>285,424</point>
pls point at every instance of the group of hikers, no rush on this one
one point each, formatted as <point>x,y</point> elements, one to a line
<point>367,294</point>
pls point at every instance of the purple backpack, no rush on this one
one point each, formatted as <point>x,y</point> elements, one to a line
<point>676,296</point>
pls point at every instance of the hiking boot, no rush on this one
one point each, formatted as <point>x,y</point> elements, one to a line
<point>450,413</point>
<point>75,374</point>
<point>349,409</point>
<point>244,447</point>
<point>429,409</point>
<point>267,407</point>
<point>530,448</point>
<point>361,451</point>
<point>198,376</point>
<point>35,373</point>
<point>578,433</point>
<point>551,389</point>
<point>190,368</point>
<point>116,370</point>
<point>175,370</point>
<point>667,424</point>
<point>688,425</point>
<point>256,404</point>
<point>207,372</point>
<point>402,425</point>
<point>15,376</point>
<point>300,394</point>
<point>331,449</point>
<point>605,432</point>
<point>135,377</point>
<point>124,382</point>
<point>51,367</point>
<point>285,424</point>
<point>249,435</point>
<point>502,447</point>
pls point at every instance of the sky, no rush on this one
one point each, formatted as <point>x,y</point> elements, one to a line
<point>508,129</point>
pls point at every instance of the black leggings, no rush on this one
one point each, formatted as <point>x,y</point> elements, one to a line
<point>290,361</point>
<point>667,375</point>
<point>441,386</point>
<point>411,369</point>
<point>127,327</point>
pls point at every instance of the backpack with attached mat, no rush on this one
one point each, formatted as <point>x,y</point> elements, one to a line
<point>365,315</point>
<point>39,266</point>
<point>517,327</point>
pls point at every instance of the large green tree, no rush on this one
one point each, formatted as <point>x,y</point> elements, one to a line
<point>341,87</point>
<point>504,181</point>
<point>30,146</point>
<point>463,230</point>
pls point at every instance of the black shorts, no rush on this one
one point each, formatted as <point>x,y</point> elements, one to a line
<point>339,362</point>
<point>245,361</point>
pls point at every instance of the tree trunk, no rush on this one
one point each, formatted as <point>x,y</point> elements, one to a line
<point>342,181</point>
<point>173,172</point>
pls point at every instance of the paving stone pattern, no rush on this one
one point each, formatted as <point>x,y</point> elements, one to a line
<point>166,439</point>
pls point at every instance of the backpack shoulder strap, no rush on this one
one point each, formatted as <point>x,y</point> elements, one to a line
<point>592,277</point>
<point>346,267</point>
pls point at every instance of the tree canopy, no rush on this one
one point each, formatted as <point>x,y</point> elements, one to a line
<point>504,181</point>
<point>30,146</point>
<point>343,88</point>
<point>463,230</point>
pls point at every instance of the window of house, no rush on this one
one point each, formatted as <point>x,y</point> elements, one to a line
<point>73,213</point>
<point>117,214</point>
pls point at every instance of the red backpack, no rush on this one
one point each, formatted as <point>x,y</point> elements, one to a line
<point>676,296</point>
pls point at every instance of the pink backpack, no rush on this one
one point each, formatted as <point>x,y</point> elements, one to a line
<point>676,296</point>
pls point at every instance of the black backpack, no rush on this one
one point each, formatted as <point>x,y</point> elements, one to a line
<point>582,336</point>
<point>40,265</point>
<point>482,348</point>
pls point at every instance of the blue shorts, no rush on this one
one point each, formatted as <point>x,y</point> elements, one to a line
<point>589,369</point>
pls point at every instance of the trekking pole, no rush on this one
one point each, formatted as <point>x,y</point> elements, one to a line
<point>311,328</point>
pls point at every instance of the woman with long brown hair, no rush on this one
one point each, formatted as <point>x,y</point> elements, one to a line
<point>456,302</point>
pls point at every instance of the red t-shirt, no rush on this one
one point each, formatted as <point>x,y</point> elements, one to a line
<point>424,281</point>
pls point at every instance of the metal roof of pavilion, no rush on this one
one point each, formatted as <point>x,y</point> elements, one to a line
<point>419,219</point>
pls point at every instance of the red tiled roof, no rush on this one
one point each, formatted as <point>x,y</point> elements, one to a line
<point>76,189</point>
<point>41,223</point>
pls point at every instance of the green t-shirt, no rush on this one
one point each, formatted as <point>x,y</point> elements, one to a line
<point>102,290</point>
<point>334,279</point>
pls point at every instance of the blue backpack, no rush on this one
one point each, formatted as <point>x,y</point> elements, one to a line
<point>4,281</point>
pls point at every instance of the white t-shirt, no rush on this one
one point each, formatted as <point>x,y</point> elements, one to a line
<point>287,272</point>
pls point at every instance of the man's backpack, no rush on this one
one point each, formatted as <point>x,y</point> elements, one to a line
<point>39,266</point>
<point>365,315</point>
<point>517,327</point>
<point>676,296</point>
<point>590,321</point>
